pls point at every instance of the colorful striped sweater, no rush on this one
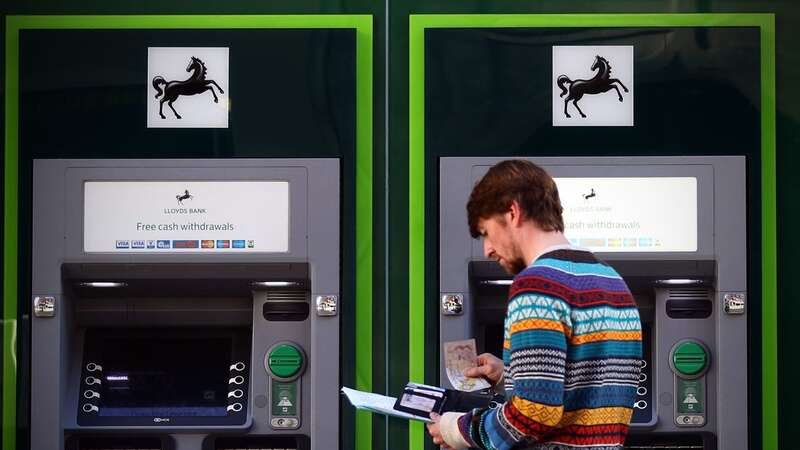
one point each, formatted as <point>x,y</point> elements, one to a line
<point>572,351</point>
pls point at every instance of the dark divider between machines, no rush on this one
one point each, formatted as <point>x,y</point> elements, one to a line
<point>95,442</point>
<point>257,443</point>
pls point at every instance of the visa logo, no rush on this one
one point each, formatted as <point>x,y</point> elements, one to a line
<point>123,244</point>
<point>238,244</point>
<point>137,244</point>
<point>163,244</point>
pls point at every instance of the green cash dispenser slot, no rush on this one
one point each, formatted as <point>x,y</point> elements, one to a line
<point>690,360</point>
<point>285,362</point>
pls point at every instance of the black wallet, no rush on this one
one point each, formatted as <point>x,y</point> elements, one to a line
<point>422,400</point>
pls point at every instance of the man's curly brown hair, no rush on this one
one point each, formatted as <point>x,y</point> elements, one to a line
<point>519,180</point>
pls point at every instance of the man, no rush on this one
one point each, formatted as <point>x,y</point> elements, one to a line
<point>572,342</point>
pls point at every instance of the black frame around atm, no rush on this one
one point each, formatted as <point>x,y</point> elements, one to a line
<point>240,351</point>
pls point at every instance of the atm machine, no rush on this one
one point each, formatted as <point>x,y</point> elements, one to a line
<point>185,304</point>
<point>675,229</point>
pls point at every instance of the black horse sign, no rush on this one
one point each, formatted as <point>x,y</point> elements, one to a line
<point>195,84</point>
<point>601,82</point>
<point>185,196</point>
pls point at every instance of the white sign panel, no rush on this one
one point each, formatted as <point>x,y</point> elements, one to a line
<point>187,87</point>
<point>592,85</point>
<point>186,216</point>
<point>630,214</point>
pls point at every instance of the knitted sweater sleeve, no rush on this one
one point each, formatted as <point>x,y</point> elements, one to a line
<point>537,329</point>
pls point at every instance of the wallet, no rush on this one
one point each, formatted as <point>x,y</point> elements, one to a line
<point>422,400</point>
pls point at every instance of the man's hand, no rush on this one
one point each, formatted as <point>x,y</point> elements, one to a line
<point>435,432</point>
<point>489,367</point>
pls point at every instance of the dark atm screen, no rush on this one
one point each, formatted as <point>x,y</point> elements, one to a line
<point>165,377</point>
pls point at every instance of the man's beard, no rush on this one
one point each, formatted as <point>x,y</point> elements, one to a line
<point>514,266</point>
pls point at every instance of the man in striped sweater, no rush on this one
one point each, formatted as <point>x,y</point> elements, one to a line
<point>572,343</point>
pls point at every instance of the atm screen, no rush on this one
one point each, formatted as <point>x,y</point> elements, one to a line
<point>190,376</point>
<point>165,377</point>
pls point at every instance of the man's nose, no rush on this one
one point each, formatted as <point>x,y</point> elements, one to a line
<point>487,248</point>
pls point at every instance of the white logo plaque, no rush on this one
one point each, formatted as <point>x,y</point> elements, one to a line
<point>592,86</point>
<point>187,87</point>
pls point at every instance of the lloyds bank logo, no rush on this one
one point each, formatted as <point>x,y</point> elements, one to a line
<point>187,87</point>
<point>592,85</point>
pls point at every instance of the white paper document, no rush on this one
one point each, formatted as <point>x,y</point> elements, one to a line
<point>377,403</point>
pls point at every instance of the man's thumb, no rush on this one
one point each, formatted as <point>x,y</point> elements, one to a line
<point>473,372</point>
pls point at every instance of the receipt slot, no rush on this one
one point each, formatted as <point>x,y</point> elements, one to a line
<point>675,229</point>
<point>175,304</point>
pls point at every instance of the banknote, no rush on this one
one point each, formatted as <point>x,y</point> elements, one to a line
<point>459,356</point>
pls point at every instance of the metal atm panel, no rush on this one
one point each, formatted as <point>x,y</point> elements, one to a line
<point>693,296</point>
<point>264,303</point>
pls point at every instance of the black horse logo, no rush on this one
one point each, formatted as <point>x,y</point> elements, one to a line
<point>589,195</point>
<point>601,82</point>
<point>186,195</point>
<point>195,84</point>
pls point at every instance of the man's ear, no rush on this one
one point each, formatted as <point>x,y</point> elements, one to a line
<point>515,214</point>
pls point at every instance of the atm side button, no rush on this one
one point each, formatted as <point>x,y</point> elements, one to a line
<point>89,408</point>
<point>238,393</point>
<point>236,407</point>
<point>89,394</point>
